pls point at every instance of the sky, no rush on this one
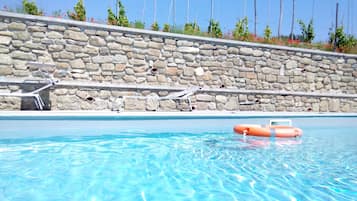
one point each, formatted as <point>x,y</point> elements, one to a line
<point>227,12</point>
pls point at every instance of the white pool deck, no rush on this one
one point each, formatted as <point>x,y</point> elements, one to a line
<point>194,114</point>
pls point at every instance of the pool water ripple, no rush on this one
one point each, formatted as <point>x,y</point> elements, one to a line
<point>142,165</point>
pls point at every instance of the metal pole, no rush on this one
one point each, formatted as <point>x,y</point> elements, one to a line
<point>211,9</point>
<point>143,12</point>
<point>154,10</point>
<point>352,20</point>
<point>170,10</point>
<point>348,16</point>
<point>292,22</point>
<point>268,20</point>
<point>211,19</point>
<point>313,10</point>
<point>116,7</point>
<point>336,26</point>
<point>174,12</point>
<point>245,8</point>
<point>188,11</point>
<point>280,17</point>
<point>255,17</point>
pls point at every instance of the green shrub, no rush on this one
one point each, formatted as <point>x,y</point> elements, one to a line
<point>112,19</point>
<point>121,19</point>
<point>307,32</point>
<point>30,8</point>
<point>138,24</point>
<point>350,43</point>
<point>166,28</point>
<point>241,31</point>
<point>344,42</point>
<point>214,29</point>
<point>339,35</point>
<point>192,29</point>
<point>267,33</point>
<point>79,12</point>
<point>155,26</point>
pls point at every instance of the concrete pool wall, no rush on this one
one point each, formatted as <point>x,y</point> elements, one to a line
<point>98,64</point>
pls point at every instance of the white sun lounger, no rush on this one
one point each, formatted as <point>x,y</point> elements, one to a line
<point>180,95</point>
<point>35,94</point>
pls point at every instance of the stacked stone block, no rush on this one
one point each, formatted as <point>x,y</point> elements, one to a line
<point>106,54</point>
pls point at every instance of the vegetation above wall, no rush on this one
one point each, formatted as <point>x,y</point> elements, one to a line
<point>343,42</point>
<point>79,12</point>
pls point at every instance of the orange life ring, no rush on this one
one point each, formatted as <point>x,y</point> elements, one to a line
<point>267,131</point>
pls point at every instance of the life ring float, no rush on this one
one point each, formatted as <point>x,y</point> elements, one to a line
<point>281,131</point>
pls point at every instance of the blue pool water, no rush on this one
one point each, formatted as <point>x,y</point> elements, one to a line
<point>176,159</point>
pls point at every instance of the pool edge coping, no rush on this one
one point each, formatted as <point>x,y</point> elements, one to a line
<point>13,115</point>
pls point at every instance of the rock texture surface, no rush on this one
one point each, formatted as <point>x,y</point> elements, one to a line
<point>111,55</point>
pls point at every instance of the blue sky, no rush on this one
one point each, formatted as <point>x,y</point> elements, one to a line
<point>227,12</point>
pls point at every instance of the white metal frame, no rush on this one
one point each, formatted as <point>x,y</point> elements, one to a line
<point>35,94</point>
<point>180,95</point>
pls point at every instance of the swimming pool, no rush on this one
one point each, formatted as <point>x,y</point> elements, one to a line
<point>192,158</point>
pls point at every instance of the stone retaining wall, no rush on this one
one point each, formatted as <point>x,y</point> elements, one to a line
<point>68,98</point>
<point>107,54</point>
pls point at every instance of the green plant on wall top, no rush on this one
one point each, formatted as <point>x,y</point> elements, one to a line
<point>214,29</point>
<point>351,42</point>
<point>166,28</point>
<point>31,8</point>
<point>138,24</point>
<point>112,19</point>
<point>241,31</point>
<point>307,32</point>
<point>344,42</point>
<point>192,29</point>
<point>155,26</point>
<point>339,35</point>
<point>79,12</point>
<point>267,33</point>
<point>121,19</point>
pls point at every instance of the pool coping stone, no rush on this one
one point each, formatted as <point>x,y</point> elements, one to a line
<point>112,115</point>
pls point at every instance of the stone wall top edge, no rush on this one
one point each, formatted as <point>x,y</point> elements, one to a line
<point>52,20</point>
